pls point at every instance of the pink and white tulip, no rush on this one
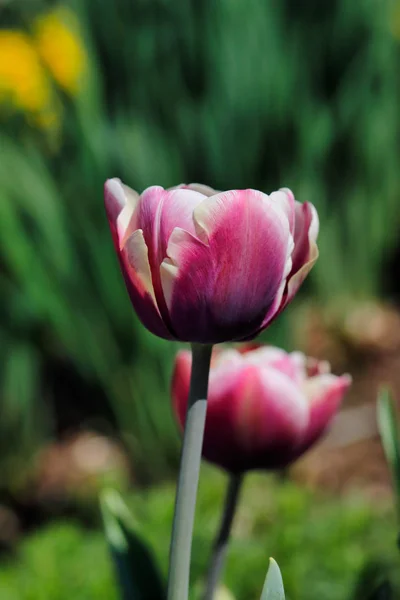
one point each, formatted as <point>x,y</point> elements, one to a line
<point>205,266</point>
<point>265,407</point>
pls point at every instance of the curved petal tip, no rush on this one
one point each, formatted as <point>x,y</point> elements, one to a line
<point>114,197</point>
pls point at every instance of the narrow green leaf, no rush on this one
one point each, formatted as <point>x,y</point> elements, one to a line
<point>137,573</point>
<point>387,417</point>
<point>273,586</point>
<point>383,592</point>
<point>374,582</point>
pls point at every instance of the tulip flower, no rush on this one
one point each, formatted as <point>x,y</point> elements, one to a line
<point>265,407</point>
<point>205,266</point>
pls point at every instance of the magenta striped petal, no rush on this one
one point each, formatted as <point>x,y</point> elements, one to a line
<point>271,416</point>
<point>240,262</point>
<point>159,212</point>
<point>325,394</point>
<point>292,365</point>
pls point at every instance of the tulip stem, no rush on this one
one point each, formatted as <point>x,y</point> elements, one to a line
<point>222,539</point>
<point>185,502</point>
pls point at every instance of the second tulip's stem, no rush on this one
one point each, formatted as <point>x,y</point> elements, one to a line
<point>185,502</point>
<point>222,539</point>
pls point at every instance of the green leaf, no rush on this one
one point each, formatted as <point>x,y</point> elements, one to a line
<point>387,417</point>
<point>137,573</point>
<point>373,582</point>
<point>382,592</point>
<point>273,586</point>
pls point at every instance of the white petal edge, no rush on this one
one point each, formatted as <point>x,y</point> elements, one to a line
<point>316,388</point>
<point>285,198</point>
<point>127,199</point>
<point>137,255</point>
<point>314,226</point>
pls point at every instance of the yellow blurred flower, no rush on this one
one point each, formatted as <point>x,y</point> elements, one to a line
<point>394,19</point>
<point>61,48</point>
<point>30,63</point>
<point>23,81</point>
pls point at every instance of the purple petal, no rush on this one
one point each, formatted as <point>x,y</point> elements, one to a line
<point>221,286</point>
<point>325,393</point>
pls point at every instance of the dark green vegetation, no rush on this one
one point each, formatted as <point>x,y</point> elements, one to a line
<point>321,543</point>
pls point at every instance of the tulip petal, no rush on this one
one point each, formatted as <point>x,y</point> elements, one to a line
<point>325,394</point>
<point>285,198</point>
<point>305,251</point>
<point>264,356</point>
<point>289,364</point>
<point>220,444</point>
<point>148,217</point>
<point>136,271</point>
<point>230,356</point>
<point>188,298</point>
<point>197,187</point>
<point>293,365</point>
<point>294,281</point>
<point>120,201</point>
<point>135,252</point>
<point>272,312</point>
<point>255,418</point>
<point>269,356</point>
<point>305,234</point>
<point>231,275</point>
<point>159,211</point>
<point>273,409</point>
<point>317,367</point>
<point>177,211</point>
<point>206,190</point>
<point>236,211</point>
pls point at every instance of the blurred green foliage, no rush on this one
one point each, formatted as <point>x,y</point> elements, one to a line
<point>320,543</point>
<point>136,573</point>
<point>258,94</point>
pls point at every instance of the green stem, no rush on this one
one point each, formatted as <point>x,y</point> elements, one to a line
<point>185,502</point>
<point>222,539</point>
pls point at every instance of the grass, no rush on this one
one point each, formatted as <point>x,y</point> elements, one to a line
<point>320,542</point>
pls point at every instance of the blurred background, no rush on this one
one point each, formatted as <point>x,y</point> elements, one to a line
<point>262,94</point>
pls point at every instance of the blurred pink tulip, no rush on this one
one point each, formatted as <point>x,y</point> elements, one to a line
<point>205,266</point>
<point>265,407</point>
